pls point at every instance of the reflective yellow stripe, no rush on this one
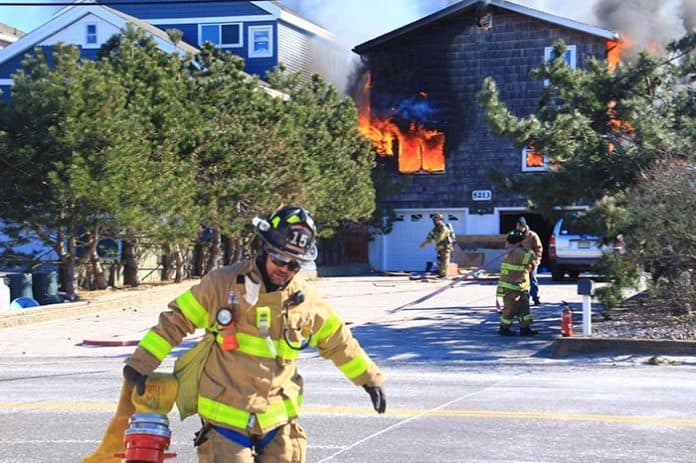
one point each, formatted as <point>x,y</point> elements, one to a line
<point>156,345</point>
<point>355,367</point>
<point>505,321</point>
<point>294,218</point>
<point>257,346</point>
<point>527,257</point>
<point>506,285</point>
<point>329,327</point>
<point>275,415</point>
<point>284,351</point>
<point>192,309</point>
<point>275,221</point>
<point>513,267</point>
<point>253,345</point>
<point>527,318</point>
<point>222,413</point>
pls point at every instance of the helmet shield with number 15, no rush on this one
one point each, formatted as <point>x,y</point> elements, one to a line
<point>290,232</point>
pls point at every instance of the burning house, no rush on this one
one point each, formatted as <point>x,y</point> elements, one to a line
<point>419,109</point>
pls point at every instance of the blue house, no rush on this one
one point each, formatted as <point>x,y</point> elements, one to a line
<point>263,33</point>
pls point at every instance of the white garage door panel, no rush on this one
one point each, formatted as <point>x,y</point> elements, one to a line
<point>401,245</point>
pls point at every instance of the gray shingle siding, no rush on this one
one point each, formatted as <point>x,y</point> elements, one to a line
<point>449,60</point>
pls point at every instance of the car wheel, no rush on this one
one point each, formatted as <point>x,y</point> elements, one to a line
<point>556,273</point>
<point>573,275</point>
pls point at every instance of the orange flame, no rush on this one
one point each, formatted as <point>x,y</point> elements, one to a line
<point>418,149</point>
<point>614,50</point>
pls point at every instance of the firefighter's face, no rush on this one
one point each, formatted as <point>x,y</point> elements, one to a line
<point>280,270</point>
<point>521,227</point>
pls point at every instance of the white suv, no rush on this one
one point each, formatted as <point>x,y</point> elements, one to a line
<point>573,250</point>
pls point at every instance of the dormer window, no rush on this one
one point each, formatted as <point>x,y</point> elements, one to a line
<point>91,34</point>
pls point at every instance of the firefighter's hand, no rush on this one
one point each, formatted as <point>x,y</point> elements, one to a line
<point>134,379</point>
<point>379,399</point>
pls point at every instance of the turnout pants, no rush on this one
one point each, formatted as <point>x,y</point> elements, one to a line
<point>516,304</point>
<point>288,446</point>
<point>443,260</point>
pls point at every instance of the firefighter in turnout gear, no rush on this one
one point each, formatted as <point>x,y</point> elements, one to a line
<point>261,314</point>
<point>532,242</point>
<point>442,236</point>
<point>513,286</point>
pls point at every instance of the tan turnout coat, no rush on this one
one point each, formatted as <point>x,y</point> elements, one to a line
<point>256,387</point>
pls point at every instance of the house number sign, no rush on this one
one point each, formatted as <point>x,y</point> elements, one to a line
<point>481,195</point>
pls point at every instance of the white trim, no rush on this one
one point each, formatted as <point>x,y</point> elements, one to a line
<point>464,5</point>
<point>250,51</point>
<point>8,38</point>
<point>573,49</point>
<point>306,25</point>
<point>289,17</point>
<point>208,20</point>
<point>565,22</point>
<point>526,168</point>
<point>65,18</point>
<point>7,82</point>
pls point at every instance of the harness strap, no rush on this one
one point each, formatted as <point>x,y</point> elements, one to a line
<point>253,443</point>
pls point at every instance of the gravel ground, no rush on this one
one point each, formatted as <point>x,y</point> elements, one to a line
<point>645,319</point>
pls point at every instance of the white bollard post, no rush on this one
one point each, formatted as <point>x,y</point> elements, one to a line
<point>586,315</point>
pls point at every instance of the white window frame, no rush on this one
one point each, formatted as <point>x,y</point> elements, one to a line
<point>219,26</point>
<point>252,29</point>
<point>572,60</point>
<point>88,35</point>
<point>526,168</point>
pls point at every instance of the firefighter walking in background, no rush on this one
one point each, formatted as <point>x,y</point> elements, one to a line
<point>262,314</point>
<point>531,242</point>
<point>513,286</point>
<point>443,237</point>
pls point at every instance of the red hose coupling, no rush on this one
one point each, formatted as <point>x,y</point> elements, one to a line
<point>147,439</point>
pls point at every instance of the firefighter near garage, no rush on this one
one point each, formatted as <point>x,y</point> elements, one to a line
<point>258,314</point>
<point>443,237</point>
<point>513,286</point>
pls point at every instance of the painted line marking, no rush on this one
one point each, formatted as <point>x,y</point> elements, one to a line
<point>401,412</point>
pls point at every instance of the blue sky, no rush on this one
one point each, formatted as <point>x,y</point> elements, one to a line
<point>26,18</point>
<point>389,13</point>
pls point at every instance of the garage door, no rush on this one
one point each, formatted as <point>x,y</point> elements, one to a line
<point>399,249</point>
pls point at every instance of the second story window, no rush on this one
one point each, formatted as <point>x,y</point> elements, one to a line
<point>260,41</point>
<point>570,57</point>
<point>533,160</point>
<point>91,34</point>
<point>221,35</point>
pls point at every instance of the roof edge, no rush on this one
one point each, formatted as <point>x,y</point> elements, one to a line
<point>465,5</point>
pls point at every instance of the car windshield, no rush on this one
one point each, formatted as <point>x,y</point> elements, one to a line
<point>575,225</point>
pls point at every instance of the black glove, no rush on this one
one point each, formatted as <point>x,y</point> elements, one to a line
<point>135,379</point>
<point>378,397</point>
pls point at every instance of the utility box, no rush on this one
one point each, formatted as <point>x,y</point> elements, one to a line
<point>586,287</point>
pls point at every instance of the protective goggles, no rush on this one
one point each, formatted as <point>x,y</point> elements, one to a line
<point>282,261</point>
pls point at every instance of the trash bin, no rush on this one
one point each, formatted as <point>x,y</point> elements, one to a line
<point>45,287</point>
<point>23,303</point>
<point>4,295</point>
<point>20,285</point>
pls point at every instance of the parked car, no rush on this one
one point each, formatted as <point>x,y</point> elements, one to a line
<point>573,249</point>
